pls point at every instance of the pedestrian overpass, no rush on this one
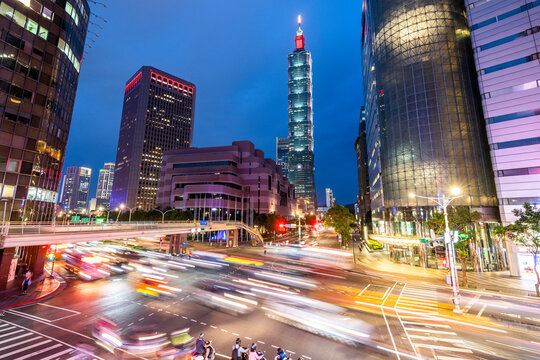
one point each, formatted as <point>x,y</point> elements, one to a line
<point>47,234</point>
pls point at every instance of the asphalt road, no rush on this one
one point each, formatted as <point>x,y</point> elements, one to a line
<point>407,320</point>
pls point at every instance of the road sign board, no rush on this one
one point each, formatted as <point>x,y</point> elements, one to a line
<point>423,241</point>
<point>75,219</point>
<point>204,222</point>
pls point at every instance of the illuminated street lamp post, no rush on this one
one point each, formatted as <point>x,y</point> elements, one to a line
<point>107,211</point>
<point>448,241</point>
<point>163,214</point>
<point>131,211</point>
<point>122,206</point>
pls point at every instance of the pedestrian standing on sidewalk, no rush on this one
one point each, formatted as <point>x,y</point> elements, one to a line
<point>27,281</point>
<point>24,269</point>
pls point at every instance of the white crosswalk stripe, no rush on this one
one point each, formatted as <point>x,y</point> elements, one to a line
<point>20,343</point>
<point>431,340</point>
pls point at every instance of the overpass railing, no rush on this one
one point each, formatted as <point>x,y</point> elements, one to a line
<point>11,229</point>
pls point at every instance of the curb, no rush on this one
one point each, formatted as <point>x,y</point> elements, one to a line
<point>58,283</point>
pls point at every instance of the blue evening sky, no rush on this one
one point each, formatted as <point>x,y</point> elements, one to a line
<point>236,54</point>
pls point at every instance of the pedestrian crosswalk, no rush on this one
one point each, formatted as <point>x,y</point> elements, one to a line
<point>416,308</point>
<point>17,342</point>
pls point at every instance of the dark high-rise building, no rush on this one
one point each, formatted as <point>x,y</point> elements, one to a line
<point>282,154</point>
<point>157,116</point>
<point>75,188</point>
<point>360,147</point>
<point>301,167</point>
<point>42,45</point>
<point>432,134</point>
<point>104,186</point>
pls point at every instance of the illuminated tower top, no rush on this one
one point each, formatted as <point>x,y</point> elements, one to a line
<point>299,38</point>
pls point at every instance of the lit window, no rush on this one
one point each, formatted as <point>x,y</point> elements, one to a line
<point>72,12</point>
<point>43,33</point>
<point>6,10</point>
<point>7,191</point>
<point>19,18</point>
<point>31,26</point>
<point>47,13</point>
<point>13,165</point>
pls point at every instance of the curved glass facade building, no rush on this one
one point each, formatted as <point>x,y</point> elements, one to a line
<point>301,169</point>
<point>432,134</point>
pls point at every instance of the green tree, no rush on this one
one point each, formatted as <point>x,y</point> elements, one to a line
<point>464,220</point>
<point>526,232</point>
<point>341,219</point>
<point>500,232</point>
<point>463,255</point>
<point>436,223</point>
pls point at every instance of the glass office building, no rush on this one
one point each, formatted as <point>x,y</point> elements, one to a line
<point>75,189</point>
<point>282,154</point>
<point>431,128</point>
<point>157,116</point>
<point>506,40</point>
<point>42,45</point>
<point>301,168</point>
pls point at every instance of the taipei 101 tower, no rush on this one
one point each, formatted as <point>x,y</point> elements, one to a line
<point>301,169</point>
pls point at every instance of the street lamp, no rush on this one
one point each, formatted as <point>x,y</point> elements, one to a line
<point>444,202</point>
<point>163,214</point>
<point>299,227</point>
<point>122,206</point>
<point>131,210</point>
<point>102,209</point>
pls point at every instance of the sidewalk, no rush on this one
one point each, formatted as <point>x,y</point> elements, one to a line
<point>496,281</point>
<point>40,288</point>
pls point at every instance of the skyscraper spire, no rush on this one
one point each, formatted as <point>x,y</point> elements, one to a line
<point>299,38</point>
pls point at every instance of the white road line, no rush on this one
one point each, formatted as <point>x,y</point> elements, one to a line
<point>24,349</point>
<point>360,294</point>
<point>397,352</point>
<point>58,354</point>
<point>224,330</point>
<point>184,317</point>
<point>213,327</point>
<point>16,337</point>
<point>307,357</point>
<point>203,323</point>
<point>151,314</point>
<point>58,307</point>
<point>420,301</point>
<point>425,324</point>
<point>235,334</point>
<point>431,338</point>
<point>31,316</point>
<point>64,317</point>
<point>388,326</point>
<point>275,347</point>
<point>20,342</point>
<point>8,328</point>
<point>515,347</point>
<point>481,311</point>
<point>261,342</point>
<point>445,348</point>
<point>4,325</point>
<point>471,303</point>
<point>407,304</point>
<point>39,351</point>
<point>223,356</point>
<point>401,322</point>
<point>11,333</point>
<point>129,324</point>
<point>247,337</point>
<point>434,331</point>
<point>141,319</point>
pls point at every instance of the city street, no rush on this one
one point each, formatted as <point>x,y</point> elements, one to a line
<point>405,319</point>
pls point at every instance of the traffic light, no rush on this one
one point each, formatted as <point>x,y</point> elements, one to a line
<point>50,256</point>
<point>281,226</point>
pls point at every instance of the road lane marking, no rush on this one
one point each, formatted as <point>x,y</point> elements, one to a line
<point>361,292</point>
<point>141,319</point>
<point>184,317</point>
<point>481,311</point>
<point>224,330</point>
<point>247,337</point>
<point>8,328</point>
<point>58,307</point>
<point>58,354</point>
<point>420,337</point>
<point>515,347</point>
<point>11,333</point>
<point>176,315</point>
<point>425,324</point>
<point>151,314</point>
<point>401,321</point>
<point>130,324</point>
<point>434,331</point>
<point>31,316</point>
<point>39,351</point>
<point>445,348</point>
<point>387,325</point>
<point>213,327</point>
<point>19,342</point>
<point>471,303</point>
<point>235,334</point>
<point>193,320</point>
<point>261,342</point>
<point>16,337</point>
<point>24,349</point>
<point>203,323</point>
<point>398,352</point>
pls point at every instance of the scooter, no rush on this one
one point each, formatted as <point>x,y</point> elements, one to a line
<point>211,353</point>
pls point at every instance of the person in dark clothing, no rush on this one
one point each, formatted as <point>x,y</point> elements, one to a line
<point>201,348</point>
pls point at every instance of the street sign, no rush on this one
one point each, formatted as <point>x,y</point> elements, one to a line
<point>423,241</point>
<point>85,220</point>
<point>99,221</point>
<point>464,236</point>
<point>184,243</point>
<point>75,219</point>
<point>204,222</point>
<point>292,226</point>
